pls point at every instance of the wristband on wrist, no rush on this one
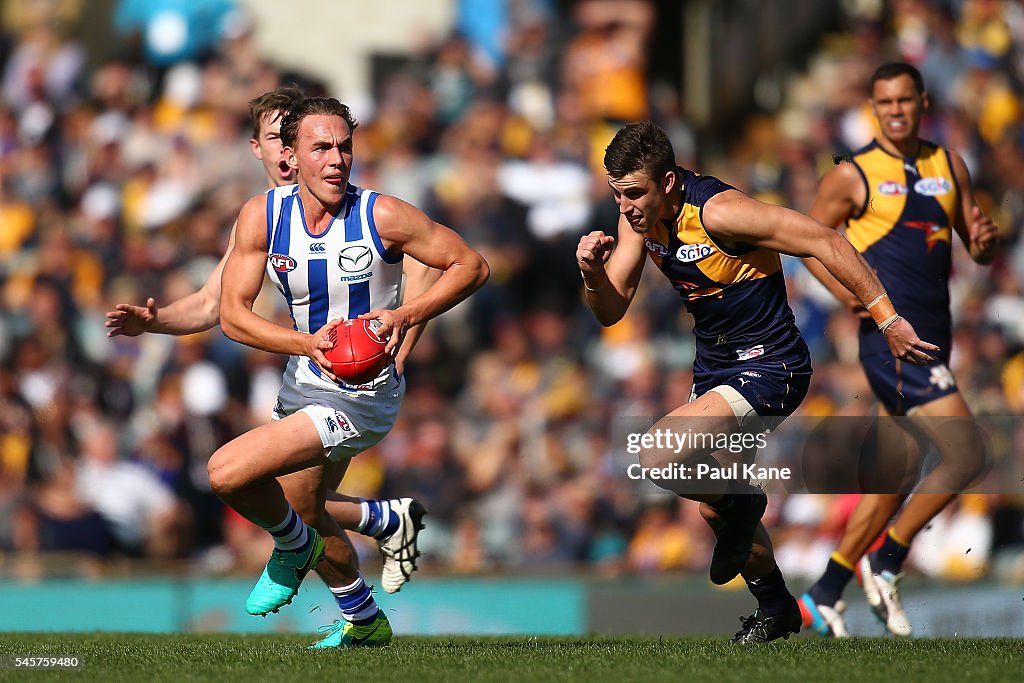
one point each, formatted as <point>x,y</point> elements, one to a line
<point>604,281</point>
<point>874,302</point>
<point>889,322</point>
<point>881,310</point>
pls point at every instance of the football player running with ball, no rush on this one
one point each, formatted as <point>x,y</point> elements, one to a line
<point>900,199</point>
<point>720,251</point>
<point>396,523</point>
<point>297,235</point>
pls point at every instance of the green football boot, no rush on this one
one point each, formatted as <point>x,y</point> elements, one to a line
<point>282,576</point>
<point>346,634</point>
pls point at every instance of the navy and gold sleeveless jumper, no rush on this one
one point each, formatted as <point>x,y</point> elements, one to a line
<point>904,230</point>
<point>746,334</point>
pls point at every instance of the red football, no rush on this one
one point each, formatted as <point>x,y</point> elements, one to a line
<point>358,355</point>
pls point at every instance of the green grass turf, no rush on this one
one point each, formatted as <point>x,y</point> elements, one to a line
<point>149,658</point>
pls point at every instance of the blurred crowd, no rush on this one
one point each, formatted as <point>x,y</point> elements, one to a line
<point>120,179</point>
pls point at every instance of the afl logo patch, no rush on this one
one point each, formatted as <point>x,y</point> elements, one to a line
<point>373,328</point>
<point>355,258</point>
<point>689,253</point>
<point>892,188</point>
<point>932,187</point>
<point>655,247</point>
<point>282,263</point>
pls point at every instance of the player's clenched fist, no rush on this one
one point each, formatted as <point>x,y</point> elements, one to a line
<point>593,252</point>
<point>984,236</point>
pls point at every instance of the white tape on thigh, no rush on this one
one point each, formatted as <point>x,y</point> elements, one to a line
<point>745,414</point>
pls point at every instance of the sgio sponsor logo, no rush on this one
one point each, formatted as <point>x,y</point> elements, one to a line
<point>932,187</point>
<point>689,253</point>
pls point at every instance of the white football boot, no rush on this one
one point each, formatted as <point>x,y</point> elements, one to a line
<point>883,594</point>
<point>399,550</point>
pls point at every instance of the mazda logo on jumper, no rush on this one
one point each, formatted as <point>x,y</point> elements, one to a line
<point>355,258</point>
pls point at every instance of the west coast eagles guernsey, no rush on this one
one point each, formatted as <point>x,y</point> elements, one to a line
<point>904,231</point>
<point>341,273</point>
<point>737,296</point>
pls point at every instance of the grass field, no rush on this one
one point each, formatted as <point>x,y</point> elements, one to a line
<point>149,658</point>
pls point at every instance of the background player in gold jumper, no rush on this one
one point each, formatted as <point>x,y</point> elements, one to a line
<point>900,199</point>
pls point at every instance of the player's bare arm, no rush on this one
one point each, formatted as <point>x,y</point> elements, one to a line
<point>611,272</point>
<point>418,279</point>
<point>737,218</point>
<point>841,194</point>
<point>979,232</point>
<point>403,227</point>
<point>244,272</point>
<point>196,312</point>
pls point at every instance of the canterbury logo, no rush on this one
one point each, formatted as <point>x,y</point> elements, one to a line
<point>355,258</point>
<point>318,248</point>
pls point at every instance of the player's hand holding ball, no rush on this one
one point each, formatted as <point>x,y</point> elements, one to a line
<point>394,323</point>
<point>359,352</point>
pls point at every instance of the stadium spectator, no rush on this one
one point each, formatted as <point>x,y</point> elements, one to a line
<point>144,516</point>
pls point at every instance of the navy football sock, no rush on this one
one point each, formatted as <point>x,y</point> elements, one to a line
<point>773,598</point>
<point>829,588</point>
<point>890,557</point>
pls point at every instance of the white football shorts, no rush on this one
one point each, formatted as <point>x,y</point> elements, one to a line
<point>348,421</point>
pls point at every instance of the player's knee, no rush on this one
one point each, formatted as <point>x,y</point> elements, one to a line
<point>225,479</point>
<point>966,460</point>
<point>969,466</point>
<point>708,513</point>
<point>653,458</point>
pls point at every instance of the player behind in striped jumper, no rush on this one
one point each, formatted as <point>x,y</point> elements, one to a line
<point>720,251</point>
<point>900,199</point>
<point>396,523</point>
<point>303,237</point>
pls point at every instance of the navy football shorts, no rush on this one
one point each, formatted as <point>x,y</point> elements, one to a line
<point>773,389</point>
<point>901,387</point>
